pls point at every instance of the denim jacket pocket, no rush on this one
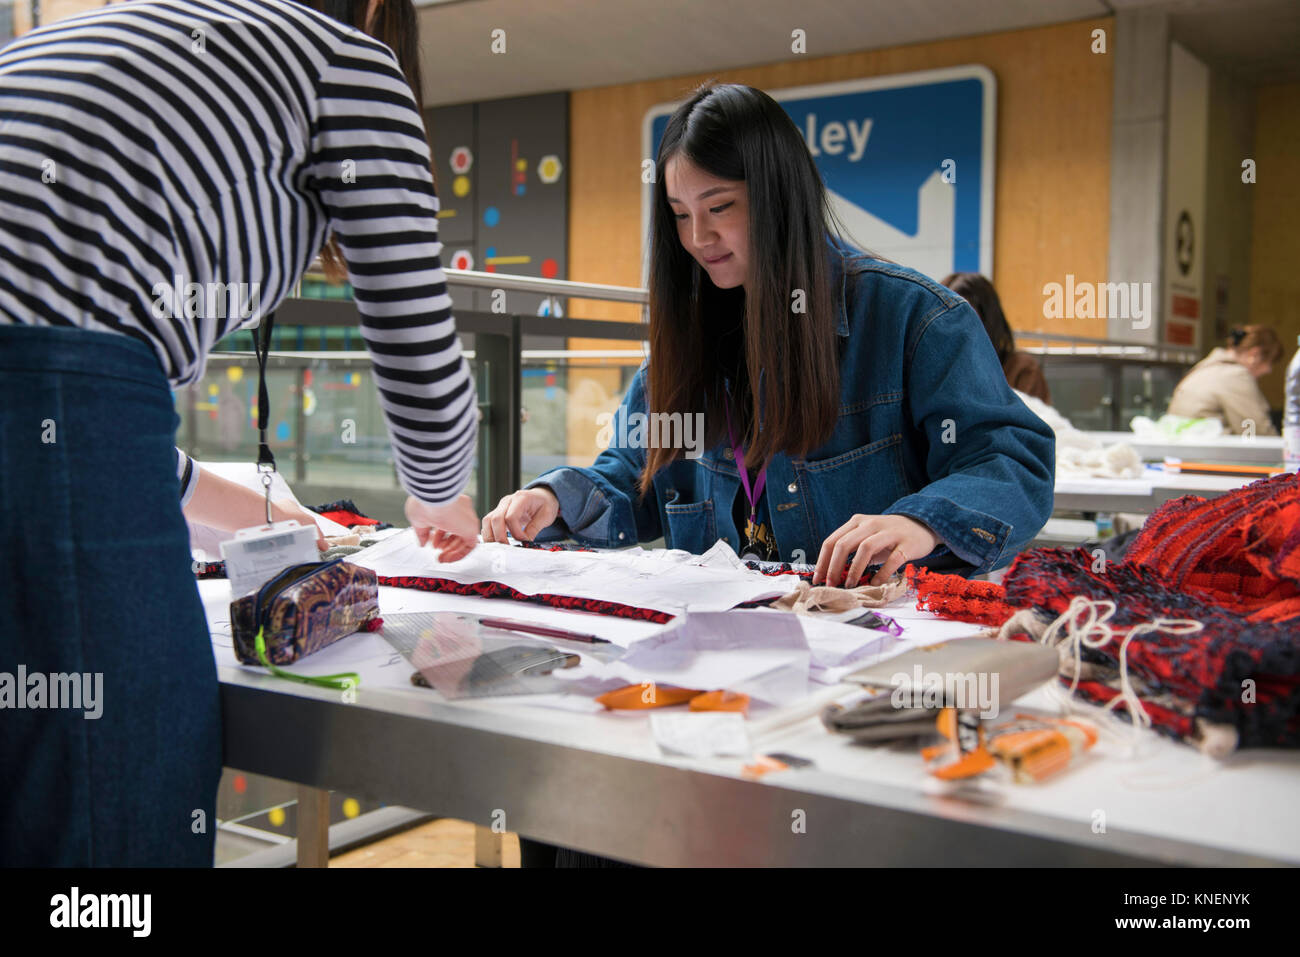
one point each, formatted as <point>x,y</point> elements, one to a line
<point>692,526</point>
<point>862,481</point>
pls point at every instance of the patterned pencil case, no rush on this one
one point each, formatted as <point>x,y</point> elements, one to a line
<point>303,609</point>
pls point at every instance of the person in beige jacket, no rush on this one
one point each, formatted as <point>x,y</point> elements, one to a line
<point>1224,385</point>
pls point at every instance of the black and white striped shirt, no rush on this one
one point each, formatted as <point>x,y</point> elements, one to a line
<point>149,145</point>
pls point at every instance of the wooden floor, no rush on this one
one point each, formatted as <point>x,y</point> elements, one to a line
<point>441,843</point>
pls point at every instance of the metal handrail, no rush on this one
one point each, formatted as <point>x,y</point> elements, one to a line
<point>498,280</point>
<point>632,294</point>
<point>555,287</point>
<point>361,355</point>
<point>1109,348</point>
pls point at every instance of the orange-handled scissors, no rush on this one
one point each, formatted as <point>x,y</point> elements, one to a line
<point>648,694</point>
<point>721,701</point>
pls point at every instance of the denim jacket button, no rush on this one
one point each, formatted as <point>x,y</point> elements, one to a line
<point>622,535</point>
<point>792,488</point>
<point>729,454</point>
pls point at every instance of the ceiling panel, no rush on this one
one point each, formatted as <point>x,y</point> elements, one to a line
<point>575,44</point>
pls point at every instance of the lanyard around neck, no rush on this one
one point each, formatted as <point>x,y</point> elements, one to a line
<point>751,495</point>
<point>265,458</point>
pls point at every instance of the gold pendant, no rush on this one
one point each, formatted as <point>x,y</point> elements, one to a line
<point>758,539</point>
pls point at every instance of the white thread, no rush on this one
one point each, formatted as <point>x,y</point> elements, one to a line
<point>1086,624</point>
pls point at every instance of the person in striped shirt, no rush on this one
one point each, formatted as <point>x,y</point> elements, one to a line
<point>218,146</point>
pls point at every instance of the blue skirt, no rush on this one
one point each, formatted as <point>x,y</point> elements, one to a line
<point>110,730</point>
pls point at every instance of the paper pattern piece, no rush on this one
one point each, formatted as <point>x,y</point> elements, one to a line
<point>768,655</point>
<point>636,577</point>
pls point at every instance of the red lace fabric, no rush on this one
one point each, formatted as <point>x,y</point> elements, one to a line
<point>959,599</point>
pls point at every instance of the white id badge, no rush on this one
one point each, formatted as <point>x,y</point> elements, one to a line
<point>255,555</point>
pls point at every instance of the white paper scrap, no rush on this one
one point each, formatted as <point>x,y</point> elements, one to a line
<point>702,734</point>
<point>759,653</point>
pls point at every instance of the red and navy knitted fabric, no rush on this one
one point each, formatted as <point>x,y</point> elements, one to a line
<point>1233,671</point>
<point>1231,563</point>
<point>1240,551</point>
<point>345,512</point>
<point>209,569</point>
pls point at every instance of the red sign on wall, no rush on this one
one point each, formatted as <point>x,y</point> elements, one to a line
<point>1188,307</point>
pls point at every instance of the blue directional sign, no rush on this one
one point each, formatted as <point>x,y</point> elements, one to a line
<point>907,161</point>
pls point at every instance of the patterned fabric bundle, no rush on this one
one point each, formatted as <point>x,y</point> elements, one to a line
<point>499,590</point>
<point>1231,564</point>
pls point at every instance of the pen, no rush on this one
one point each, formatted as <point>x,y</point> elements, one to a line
<point>510,624</point>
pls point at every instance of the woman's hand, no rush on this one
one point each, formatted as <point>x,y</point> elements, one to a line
<point>451,528</point>
<point>287,508</point>
<point>889,539</point>
<point>523,514</point>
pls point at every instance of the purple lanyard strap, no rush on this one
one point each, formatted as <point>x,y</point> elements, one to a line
<point>750,496</point>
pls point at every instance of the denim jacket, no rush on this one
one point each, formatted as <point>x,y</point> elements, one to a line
<point>927,428</point>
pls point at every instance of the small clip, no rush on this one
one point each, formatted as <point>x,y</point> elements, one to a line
<point>266,484</point>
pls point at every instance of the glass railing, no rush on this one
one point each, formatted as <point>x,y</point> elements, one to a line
<point>327,430</point>
<point>540,402</point>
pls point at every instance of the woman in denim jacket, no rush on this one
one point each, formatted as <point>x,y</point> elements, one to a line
<point>865,399</point>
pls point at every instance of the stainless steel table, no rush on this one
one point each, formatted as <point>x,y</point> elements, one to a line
<point>599,784</point>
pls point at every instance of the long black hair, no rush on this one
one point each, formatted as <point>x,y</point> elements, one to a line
<point>774,336</point>
<point>979,292</point>
<point>397,26</point>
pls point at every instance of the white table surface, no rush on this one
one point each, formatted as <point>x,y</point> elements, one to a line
<point>1157,798</point>
<point>1232,449</point>
<point>1144,494</point>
